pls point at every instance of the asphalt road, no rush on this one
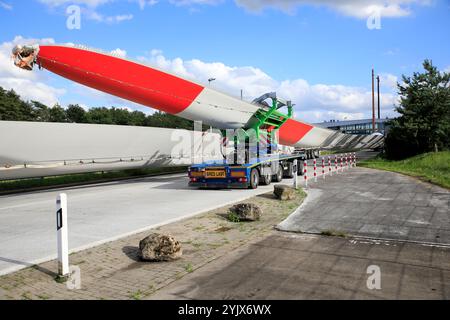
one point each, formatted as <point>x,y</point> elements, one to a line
<point>100,213</point>
<point>105,212</point>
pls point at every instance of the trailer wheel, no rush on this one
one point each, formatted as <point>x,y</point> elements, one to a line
<point>279,175</point>
<point>254,179</point>
<point>289,172</point>
<point>299,167</point>
<point>266,180</point>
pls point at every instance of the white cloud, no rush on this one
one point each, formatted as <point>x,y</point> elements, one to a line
<point>314,102</point>
<point>95,3</point>
<point>354,8</point>
<point>195,2</point>
<point>447,69</point>
<point>32,90</point>
<point>119,53</point>
<point>96,16</point>
<point>88,9</point>
<point>388,80</point>
<point>146,3</point>
<point>89,3</point>
<point>5,6</point>
<point>29,85</point>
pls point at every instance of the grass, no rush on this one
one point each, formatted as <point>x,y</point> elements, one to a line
<point>432,167</point>
<point>138,295</point>
<point>189,268</point>
<point>340,151</point>
<point>26,296</point>
<point>233,217</point>
<point>61,279</point>
<point>100,176</point>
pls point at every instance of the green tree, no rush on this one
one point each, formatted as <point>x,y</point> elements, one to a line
<point>121,116</point>
<point>424,122</point>
<point>138,118</point>
<point>57,114</point>
<point>41,111</point>
<point>76,114</point>
<point>100,115</point>
<point>12,108</point>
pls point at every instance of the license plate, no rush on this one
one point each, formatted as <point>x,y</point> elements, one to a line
<point>215,174</point>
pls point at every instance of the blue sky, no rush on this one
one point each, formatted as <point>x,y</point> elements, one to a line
<point>317,53</point>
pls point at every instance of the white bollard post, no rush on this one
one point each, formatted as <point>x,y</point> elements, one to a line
<point>305,172</point>
<point>296,178</point>
<point>354,155</point>
<point>340,160</point>
<point>329,166</point>
<point>61,227</point>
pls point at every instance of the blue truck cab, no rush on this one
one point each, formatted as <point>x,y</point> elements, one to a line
<point>257,171</point>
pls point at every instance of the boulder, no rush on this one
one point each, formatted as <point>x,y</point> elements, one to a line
<point>284,192</point>
<point>159,247</point>
<point>247,211</point>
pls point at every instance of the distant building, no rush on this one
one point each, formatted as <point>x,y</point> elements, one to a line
<point>363,126</point>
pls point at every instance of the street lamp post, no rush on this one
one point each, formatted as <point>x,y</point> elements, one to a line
<point>211,80</point>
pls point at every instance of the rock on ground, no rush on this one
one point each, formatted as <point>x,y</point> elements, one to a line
<point>159,247</point>
<point>247,211</point>
<point>284,192</point>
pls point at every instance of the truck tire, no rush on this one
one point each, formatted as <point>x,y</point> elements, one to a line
<point>266,180</point>
<point>289,172</point>
<point>299,167</point>
<point>254,179</point>
<point>279,175</point>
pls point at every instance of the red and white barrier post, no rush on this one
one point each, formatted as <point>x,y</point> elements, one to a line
<point>323,168</point>
<point>340,161</point>
<point>346,161</point>
<point>354,158</point>
<point>329,166</point>
<point>315,170</point>
<point>305,172</point>
<point>336,164</point>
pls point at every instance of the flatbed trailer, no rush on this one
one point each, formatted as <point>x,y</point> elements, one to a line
<point>256,172</point>
<point>260,164</point>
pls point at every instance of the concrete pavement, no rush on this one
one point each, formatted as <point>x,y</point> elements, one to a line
<point>369,204</point>
<point>100,213</point>
<point>293,266</point>
<point>373,203</point>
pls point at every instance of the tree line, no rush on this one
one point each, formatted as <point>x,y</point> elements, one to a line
<point>13,108</point>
